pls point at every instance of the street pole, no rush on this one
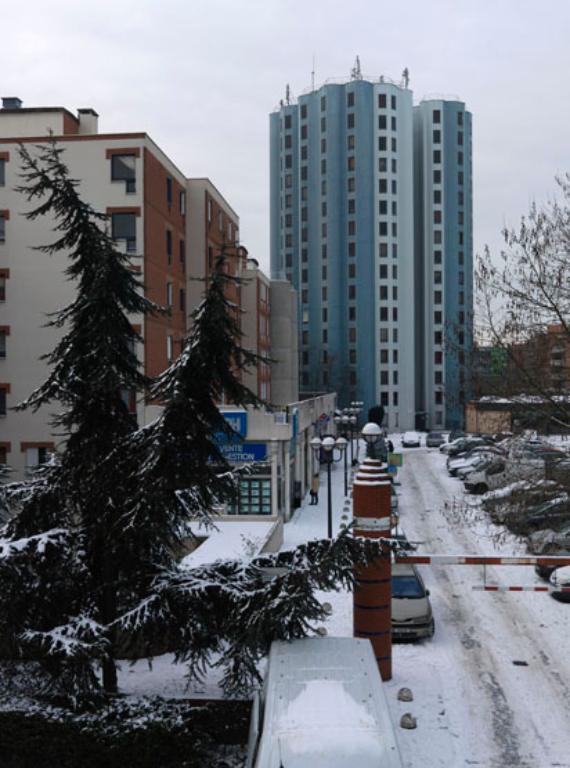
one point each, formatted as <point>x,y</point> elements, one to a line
<point>329,462</point>
<point>345,474</point>
<point>351,445</point>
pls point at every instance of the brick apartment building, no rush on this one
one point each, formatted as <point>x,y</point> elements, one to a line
<point>171,226</point>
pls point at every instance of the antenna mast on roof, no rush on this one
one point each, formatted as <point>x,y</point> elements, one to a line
<point>313,75</point>
<point>287,94</point>
<point>355,72</point>
<point>406,77</point>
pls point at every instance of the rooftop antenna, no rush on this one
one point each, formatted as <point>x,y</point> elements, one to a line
<point>406,77</point>
<point>355,72</point>
<point>313,75</point>
<point>287,94</point>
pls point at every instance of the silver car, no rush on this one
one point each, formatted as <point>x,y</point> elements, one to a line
<point>412,617</point>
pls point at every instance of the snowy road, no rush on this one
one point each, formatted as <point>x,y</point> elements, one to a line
<point>475,706</point>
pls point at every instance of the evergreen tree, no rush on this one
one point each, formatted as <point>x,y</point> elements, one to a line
<point>89,563</point>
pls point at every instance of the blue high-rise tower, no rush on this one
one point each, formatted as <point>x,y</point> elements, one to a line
<point>344,181</point>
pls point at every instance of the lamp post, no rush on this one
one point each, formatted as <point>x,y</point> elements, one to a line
<point>371,433</point>
<point>328,446</point>
<point>342,422</point>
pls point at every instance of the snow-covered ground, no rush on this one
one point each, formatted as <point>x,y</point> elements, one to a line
<point>475,706</point>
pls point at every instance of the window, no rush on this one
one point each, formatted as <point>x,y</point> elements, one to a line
<point>169,295</point>
<point>2,229</point>
<point>382,143</point>
<point>383,186</point>
<point>323,124</point>
<point>350,99</point>
<point>3,407</point>
<point>352,314</point>
<point>383,229</point>
<point>352,356</point>
<point>394,145</point>
<point>351,205</point>
<point>460,197</point>
<point>384,314</point>
<point>395,314</point>
<point>460,158</point>
<point>393,102</point>
<point>325,336</point>
<point>325,315</point>
<point>304,132</point>
<point>382,207</point>
<point>323,209</point>
<point>350,120</point>
<point>437,318</point>
<point>395,356</point>
<point>122,169</point>
<point>382,122</point>
<point>384,356</point>
<point>324,229</point>
<point>169,190</point>
<point>460,118</point>
<point>323,103</point>
<point>381,101</point>
<point>352,335</point>
<point>123,227</point>
<point>460,218</point>
<point>182,300</point>
<point>383,335</point>
<point>350,163</point>
<point>209,209</point>
<point>438,358</point>
<point>3,279</point>
<point>394,165</point>
<point>383,253</point>
<point>352,270</point>
<point>437,217</point>
<point>3,335</point>
<point>323,187</point>
<point>324,293</point>
<point>437,257</point>
<point>460,178</point>
<point>304,275</point>
<point>394,186</point>
<point>352,292</point>
<point>324,165</point>
<point>37,456</point>
<point>437,337</point>
<point>323,252</point>
<point>437,297</point>
<point>382,165</point>
<point>288,141</point>
<point>437,177</point>
<point>394,250</point>
<point>438,377</point>
<point>460,258</point>
<point>436,156</point>
<point>436,116</point>
<point>437,236</point>
<point>288,161</point>
<point>350,142</point>
<point>384,378</point>
<point>460,138</point>
<point>384,293</point>
<point>351,183</point>
<point>393,123</point>
<point>170,348</point>
<point>303,115</point>
<point>324,272</point>
<point>352,250</point>
<point>383,272</point>
<point>323,145</point>
<point>394,208</point>
<point>437,196</point>
<point>436,137</point>
<point>304,152</point>
<point>2,173</point>
<point>169,245</point>
<point>439,397</point>
<point>394,271</point>
<point>384,399</point>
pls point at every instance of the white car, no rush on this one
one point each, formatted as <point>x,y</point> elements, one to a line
<point>411,440</point>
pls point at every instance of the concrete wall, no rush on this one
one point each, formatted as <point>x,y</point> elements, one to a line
<point>284,343</point>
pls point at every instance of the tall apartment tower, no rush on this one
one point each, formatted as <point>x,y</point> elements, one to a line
<point>342,232</point>
<point>371,221</point>
<point>444,259</point>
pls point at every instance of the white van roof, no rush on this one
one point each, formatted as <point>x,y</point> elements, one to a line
<point>325,706</point>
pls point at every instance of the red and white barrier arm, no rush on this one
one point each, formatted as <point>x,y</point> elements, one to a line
<point>482,560</point>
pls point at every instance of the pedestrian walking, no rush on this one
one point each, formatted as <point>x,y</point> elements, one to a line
<point>314,492</point>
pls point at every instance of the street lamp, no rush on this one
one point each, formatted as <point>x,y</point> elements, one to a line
<point>372,434</point>
<point>341,422</point>
<point>328,445</point>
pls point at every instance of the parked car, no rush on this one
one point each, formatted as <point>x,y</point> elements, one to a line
<point>411,440</point>
<point>483,462</point>
<point>503,473</point>
<point>463,460</point>
<point>546,571</point>
<point>412,617</point>
<point>434,439</point>
<point>465,444</point>
<point>560,578</point>
<point>456,434</point>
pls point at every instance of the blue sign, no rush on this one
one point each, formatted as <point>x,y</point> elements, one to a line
<point>238,453</point>
<point>237,420</point>
<point>392,469</point>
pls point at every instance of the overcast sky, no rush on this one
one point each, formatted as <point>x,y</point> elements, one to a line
<point>201,76</point>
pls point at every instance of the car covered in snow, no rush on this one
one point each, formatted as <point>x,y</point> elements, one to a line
<point>546,571</point>
<point>411,440</point>
<point>323,705</point>
<point>412,616</point>
<point>559,583</point>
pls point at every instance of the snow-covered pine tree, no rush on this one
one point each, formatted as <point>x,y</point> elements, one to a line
<point>61,574</point>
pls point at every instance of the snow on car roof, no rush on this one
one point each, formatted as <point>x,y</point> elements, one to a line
<point>230,540</point>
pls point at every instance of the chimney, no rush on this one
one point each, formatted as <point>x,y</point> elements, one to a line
<point>88,121</point>
<point>11,102</point>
